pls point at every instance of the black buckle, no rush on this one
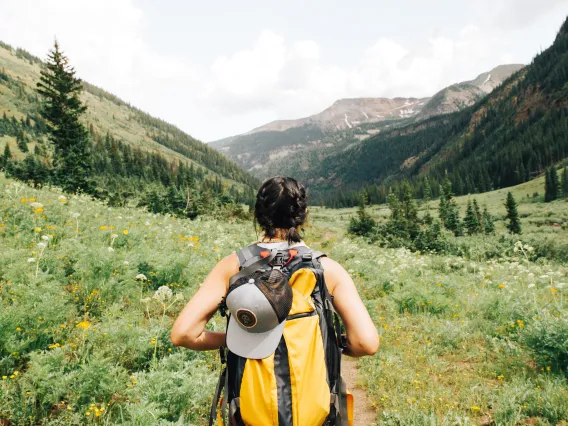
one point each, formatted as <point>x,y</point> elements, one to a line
<point>307,257</point>
<point>278,260</point>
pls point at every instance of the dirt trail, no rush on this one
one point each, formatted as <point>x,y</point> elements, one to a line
<point>365,414</point>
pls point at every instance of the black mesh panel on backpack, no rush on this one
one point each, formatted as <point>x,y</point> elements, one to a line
<point>274,284</point>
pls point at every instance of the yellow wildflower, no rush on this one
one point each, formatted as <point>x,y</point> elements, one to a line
<point>102,227</point>
<point>83,324</point>
<point>125,232</point>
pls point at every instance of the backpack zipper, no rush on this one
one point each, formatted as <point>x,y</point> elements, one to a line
<point>301,315</point>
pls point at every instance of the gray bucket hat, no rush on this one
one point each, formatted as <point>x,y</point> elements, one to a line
<point>259,304</point>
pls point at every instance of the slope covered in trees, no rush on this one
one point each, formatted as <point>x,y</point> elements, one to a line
<point>507,138</point>
<point>133,154</point>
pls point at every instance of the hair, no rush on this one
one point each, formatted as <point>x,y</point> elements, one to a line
<point>281,204</point>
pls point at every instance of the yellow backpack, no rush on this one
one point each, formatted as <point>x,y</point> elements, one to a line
<point>300,383</point>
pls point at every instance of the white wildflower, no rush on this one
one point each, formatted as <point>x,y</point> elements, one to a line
<point>62,198</point>
<point>110,249</point>
<point>531,285</point>
<point>31,259</point>
<point>126,262</point>
<point>141,277</point>
<point>45,237</point>
<point>145,300</point>
<point>75,215</point>
<point>148,223</point>
<point>41,246</point>
<point>163,293</point>
<point>114,236</point>
<point>560,285</point>
<point>36,205</point>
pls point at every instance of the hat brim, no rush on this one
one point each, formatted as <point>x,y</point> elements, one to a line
<point>253,345</point>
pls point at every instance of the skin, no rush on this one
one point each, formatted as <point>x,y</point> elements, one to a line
<point>189,328</point>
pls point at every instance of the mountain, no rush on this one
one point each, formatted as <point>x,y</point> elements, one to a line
<point>289,146</point>
<point>133,150</point>
<point>506,138</point>
<point>348,113</point>
<point>460,95</point>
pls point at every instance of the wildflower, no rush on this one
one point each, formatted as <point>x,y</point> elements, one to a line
<point>141,277</point>
<point>18,329</point>
<point>145,300</point>
<point>62,199</point>
<point>126,262</point>
<point>125,232</point>
<point>83,324</point>
<point>501,286</point>
<point>75,215</point>
<point>103,227</point>
<point>45,238</point>
<point>114,236</point>
<point>31,259</point>
<point>36,205</point>
<point>41,246</point>
<point>475,408</point>
<point>531,285</point>
<point>37,229</point>
<point>163,293</point>
<point>500,377</point>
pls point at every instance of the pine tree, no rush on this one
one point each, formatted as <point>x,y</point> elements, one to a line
<point>554,183</point>
<point>488,224</point>
<point>62,109</point>
<point>445,199</point>
<point>551,185</point>
<point>477,212</point>
<point>471,222</point>
<point>6,157</point>
<point>364,224</point>
<point>565,182</point>
<point>547,189</point>
<point>427,191</point>
<point>514,225</point>
<point>21,141</point>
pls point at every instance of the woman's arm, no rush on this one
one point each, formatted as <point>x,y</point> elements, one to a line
<point>189,328</point>
<point>362,335</point>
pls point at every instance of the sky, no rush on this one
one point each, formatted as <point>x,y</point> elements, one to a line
<point>223,67</point>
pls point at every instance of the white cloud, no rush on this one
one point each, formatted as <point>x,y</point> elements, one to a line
<point>273,78</point>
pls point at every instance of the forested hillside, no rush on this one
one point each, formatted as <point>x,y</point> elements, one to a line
<point>135,155</point>
<point>505,139</point>
<point>290,146</point>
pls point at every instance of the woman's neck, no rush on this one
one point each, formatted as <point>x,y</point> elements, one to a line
<point>281,235</point>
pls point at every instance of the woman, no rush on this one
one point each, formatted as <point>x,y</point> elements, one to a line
<point>280,210</point>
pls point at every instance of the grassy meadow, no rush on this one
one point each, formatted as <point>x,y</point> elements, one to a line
<point>88,295</point>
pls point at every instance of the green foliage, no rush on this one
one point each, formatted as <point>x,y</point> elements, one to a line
<point>564,182</point>
<point>552,186</point>
<point>487,221</point>
<point>514,225</point>
<point>547,337</point>
<point>362,225</point>
<point>471,219</point>
<point>62,110</point>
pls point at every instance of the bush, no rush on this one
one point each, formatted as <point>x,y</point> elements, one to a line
<point>547,338</point>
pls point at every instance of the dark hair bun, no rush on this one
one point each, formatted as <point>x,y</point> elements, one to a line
<point>281,203</point>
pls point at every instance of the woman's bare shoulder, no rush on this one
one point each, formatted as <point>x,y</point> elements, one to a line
<point>334,273</point>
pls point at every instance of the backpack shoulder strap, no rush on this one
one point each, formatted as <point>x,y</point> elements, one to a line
<point>245,254</point>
